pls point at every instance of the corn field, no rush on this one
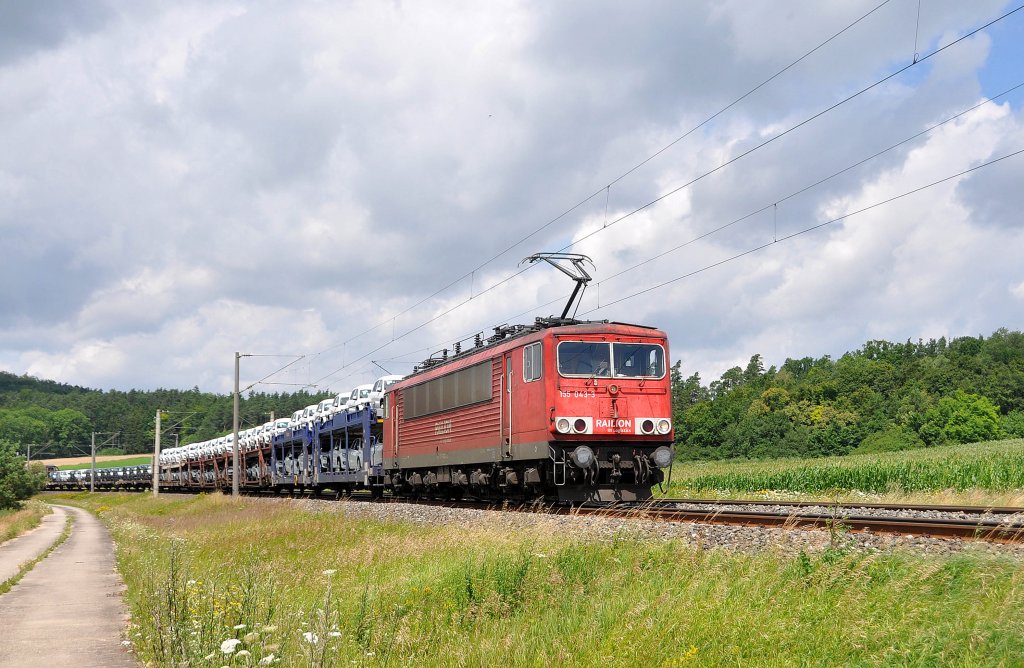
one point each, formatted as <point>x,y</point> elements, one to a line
<point>995,466</point>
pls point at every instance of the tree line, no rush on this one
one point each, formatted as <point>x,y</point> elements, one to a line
<point>59,419</point>
<point>883,396</point>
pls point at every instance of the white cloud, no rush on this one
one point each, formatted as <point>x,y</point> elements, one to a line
<point>182,182</point>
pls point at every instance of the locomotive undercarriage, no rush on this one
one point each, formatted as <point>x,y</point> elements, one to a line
<point>618,473</point>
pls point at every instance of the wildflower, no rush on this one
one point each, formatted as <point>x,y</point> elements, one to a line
<point>210,657</point>
<point>269,629</point>
<point>229,645</point>
<point>329,571</point>
<point>311,637</point>
<point>243,654</point>
<point>239,627</point>
<point>251,637</point>
<point>267,660</point>
<point>335,634</point>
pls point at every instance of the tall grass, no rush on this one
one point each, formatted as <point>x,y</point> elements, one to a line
<point>996,466</point>
<point>297,588</point>
<point>16,522</point>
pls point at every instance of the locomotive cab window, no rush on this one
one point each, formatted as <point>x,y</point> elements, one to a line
<point>584,358</point>
<point>532,358</point>
<point>638,360</point>
<point>618,360</point>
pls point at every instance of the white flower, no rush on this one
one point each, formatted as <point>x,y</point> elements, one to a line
<point>311,637</point>
<point>243,654</point>
<point>211,656</point>
<point>267,660</point>
<point>251,637</point>
<point>329,571</point>
<point>229,645</point>
<point>335,634</point>
<point>239,627</point>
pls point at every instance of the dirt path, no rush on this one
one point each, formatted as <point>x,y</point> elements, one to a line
<point>67,611</point>
<point>28,546</point>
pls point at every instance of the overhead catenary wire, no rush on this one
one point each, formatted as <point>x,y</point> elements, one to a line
<point>775,239</point>
<point>809,229</point>
<point>785,132</point>
<point>817,183</point>
<point>606,189</point>
<point>666,194</point>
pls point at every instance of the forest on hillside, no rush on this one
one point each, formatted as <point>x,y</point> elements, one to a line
<point>883,396</point>
<point>58,420</point>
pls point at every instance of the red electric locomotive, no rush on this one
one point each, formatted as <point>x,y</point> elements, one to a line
<point>567,410</point>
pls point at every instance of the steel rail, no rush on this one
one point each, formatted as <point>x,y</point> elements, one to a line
<point>907,526</point>
<point>972,510</point>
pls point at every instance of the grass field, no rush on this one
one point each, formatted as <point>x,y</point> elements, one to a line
<point>213,582</point>
<point>987,470</point>
<point>17,522</point>
<point>104,462</point>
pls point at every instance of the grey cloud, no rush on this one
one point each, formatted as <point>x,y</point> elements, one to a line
<point>28,27</point>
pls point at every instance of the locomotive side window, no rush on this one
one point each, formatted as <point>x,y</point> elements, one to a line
<point>584,358</point>
<point>639,360</point>
<point>532,362</point>
<point>461,388</point>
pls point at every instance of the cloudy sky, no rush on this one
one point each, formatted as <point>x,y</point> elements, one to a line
<point>350,181</point>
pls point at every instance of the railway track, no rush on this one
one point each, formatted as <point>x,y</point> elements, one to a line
<point>995,524</point>
<point>988,523</point>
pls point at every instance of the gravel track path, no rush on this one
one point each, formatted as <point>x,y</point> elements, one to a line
<point>706,536</point>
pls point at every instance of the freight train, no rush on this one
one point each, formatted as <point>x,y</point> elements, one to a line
<point>559,410</point>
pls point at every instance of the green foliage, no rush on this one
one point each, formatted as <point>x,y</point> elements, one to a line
<point>1013,424</point>
<point>63,417</point>
<point>893,439</point>
<point>883,397</point>
<point>17,482</point>
<point>995,466</point>
<point>961,418</point>
<point>399,593</point>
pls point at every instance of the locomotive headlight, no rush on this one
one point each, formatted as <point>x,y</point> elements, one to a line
<point>582,456</point>
<point>647,426</point>
<point>662,457</point>
<point>580,425</point>
<point>562,425</point>
<point>664,426</point>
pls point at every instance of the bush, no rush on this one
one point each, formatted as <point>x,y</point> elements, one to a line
<point>1013,424</point>
<point>18,482</point>
<point>961,418</point>
<point>891,439</point>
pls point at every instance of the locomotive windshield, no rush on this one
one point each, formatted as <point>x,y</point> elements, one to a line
<point>617,360</point>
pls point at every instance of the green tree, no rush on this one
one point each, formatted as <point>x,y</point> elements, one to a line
<point>1013,424</point>
<point>960,418</point>
<point>17,482</point>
